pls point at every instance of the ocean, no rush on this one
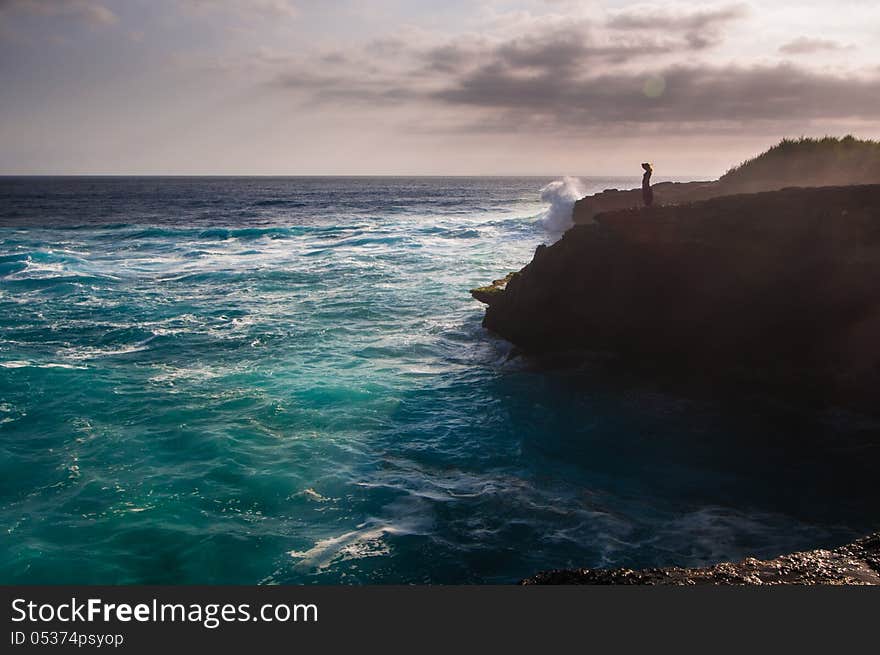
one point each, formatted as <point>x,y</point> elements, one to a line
<point>285,380</point>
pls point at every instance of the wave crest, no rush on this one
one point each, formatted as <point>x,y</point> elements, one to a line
<point>561,194</point>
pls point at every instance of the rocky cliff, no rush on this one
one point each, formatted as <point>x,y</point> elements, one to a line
<point>857,563</point>
<point>779,287</point>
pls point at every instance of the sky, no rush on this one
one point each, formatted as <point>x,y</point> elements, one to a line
<point>426,87</point>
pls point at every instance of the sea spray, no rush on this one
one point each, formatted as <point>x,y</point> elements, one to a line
<point>561,194</point>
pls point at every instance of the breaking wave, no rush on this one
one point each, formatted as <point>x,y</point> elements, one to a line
<point>561,194</point>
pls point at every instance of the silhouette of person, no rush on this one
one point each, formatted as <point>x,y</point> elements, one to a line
<point>647,193</point>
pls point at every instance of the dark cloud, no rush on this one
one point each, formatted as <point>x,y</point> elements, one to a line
<point>679,94</point>
<point>448,58</point>
<point>87,10</point>
<point>266,9</point>
<point>688,21</point>
<point>572,47</point>
<point>805,45</point>
<point>569,47</point>
<point>559,98</point>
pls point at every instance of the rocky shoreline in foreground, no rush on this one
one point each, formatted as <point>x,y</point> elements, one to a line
<point>857,563</point>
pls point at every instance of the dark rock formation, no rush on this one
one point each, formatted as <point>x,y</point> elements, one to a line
<point>776,287</point>
<point>857,563</point>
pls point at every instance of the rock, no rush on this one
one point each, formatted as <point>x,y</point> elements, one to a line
<point>857,563</point>
<point>489,292</point>
<point>778,288</point>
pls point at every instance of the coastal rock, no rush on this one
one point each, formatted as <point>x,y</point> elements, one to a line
<point>487,293</point>
<point>857,563</point>
<point>774,287</point>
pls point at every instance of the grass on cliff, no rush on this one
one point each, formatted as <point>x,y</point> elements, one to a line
<point>497,286</point>
<point>809,162</point>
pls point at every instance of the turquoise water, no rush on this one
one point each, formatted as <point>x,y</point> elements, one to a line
<point>237,380</point>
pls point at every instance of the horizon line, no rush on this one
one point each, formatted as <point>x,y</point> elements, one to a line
<point>346,175</point>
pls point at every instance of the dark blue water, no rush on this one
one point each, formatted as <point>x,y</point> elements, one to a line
<point>285,380</point>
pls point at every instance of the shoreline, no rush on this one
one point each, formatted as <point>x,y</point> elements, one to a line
<point>855,563</point>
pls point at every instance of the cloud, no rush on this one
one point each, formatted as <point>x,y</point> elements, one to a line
<point>418,65</point>
<point>556,98</point>
<point>656,18</point>
<point>572,43</point>
<point>90,11</point>
<point>701,28</point>
<point>260,8</point>
<point>647,68</point>
<point>574,46</point>
<point>690,94</point>
<point>806,45</point>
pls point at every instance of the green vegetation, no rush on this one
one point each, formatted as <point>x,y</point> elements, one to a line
<point>828,161</point>
<point>486,293</point>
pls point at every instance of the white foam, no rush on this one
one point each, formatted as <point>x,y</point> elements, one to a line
<point>561,194</point>
<point>26,364</point>
<point>410,515</point>
<point>363,542</point>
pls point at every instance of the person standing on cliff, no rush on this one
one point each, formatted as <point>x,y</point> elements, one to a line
<point>647,192</point>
